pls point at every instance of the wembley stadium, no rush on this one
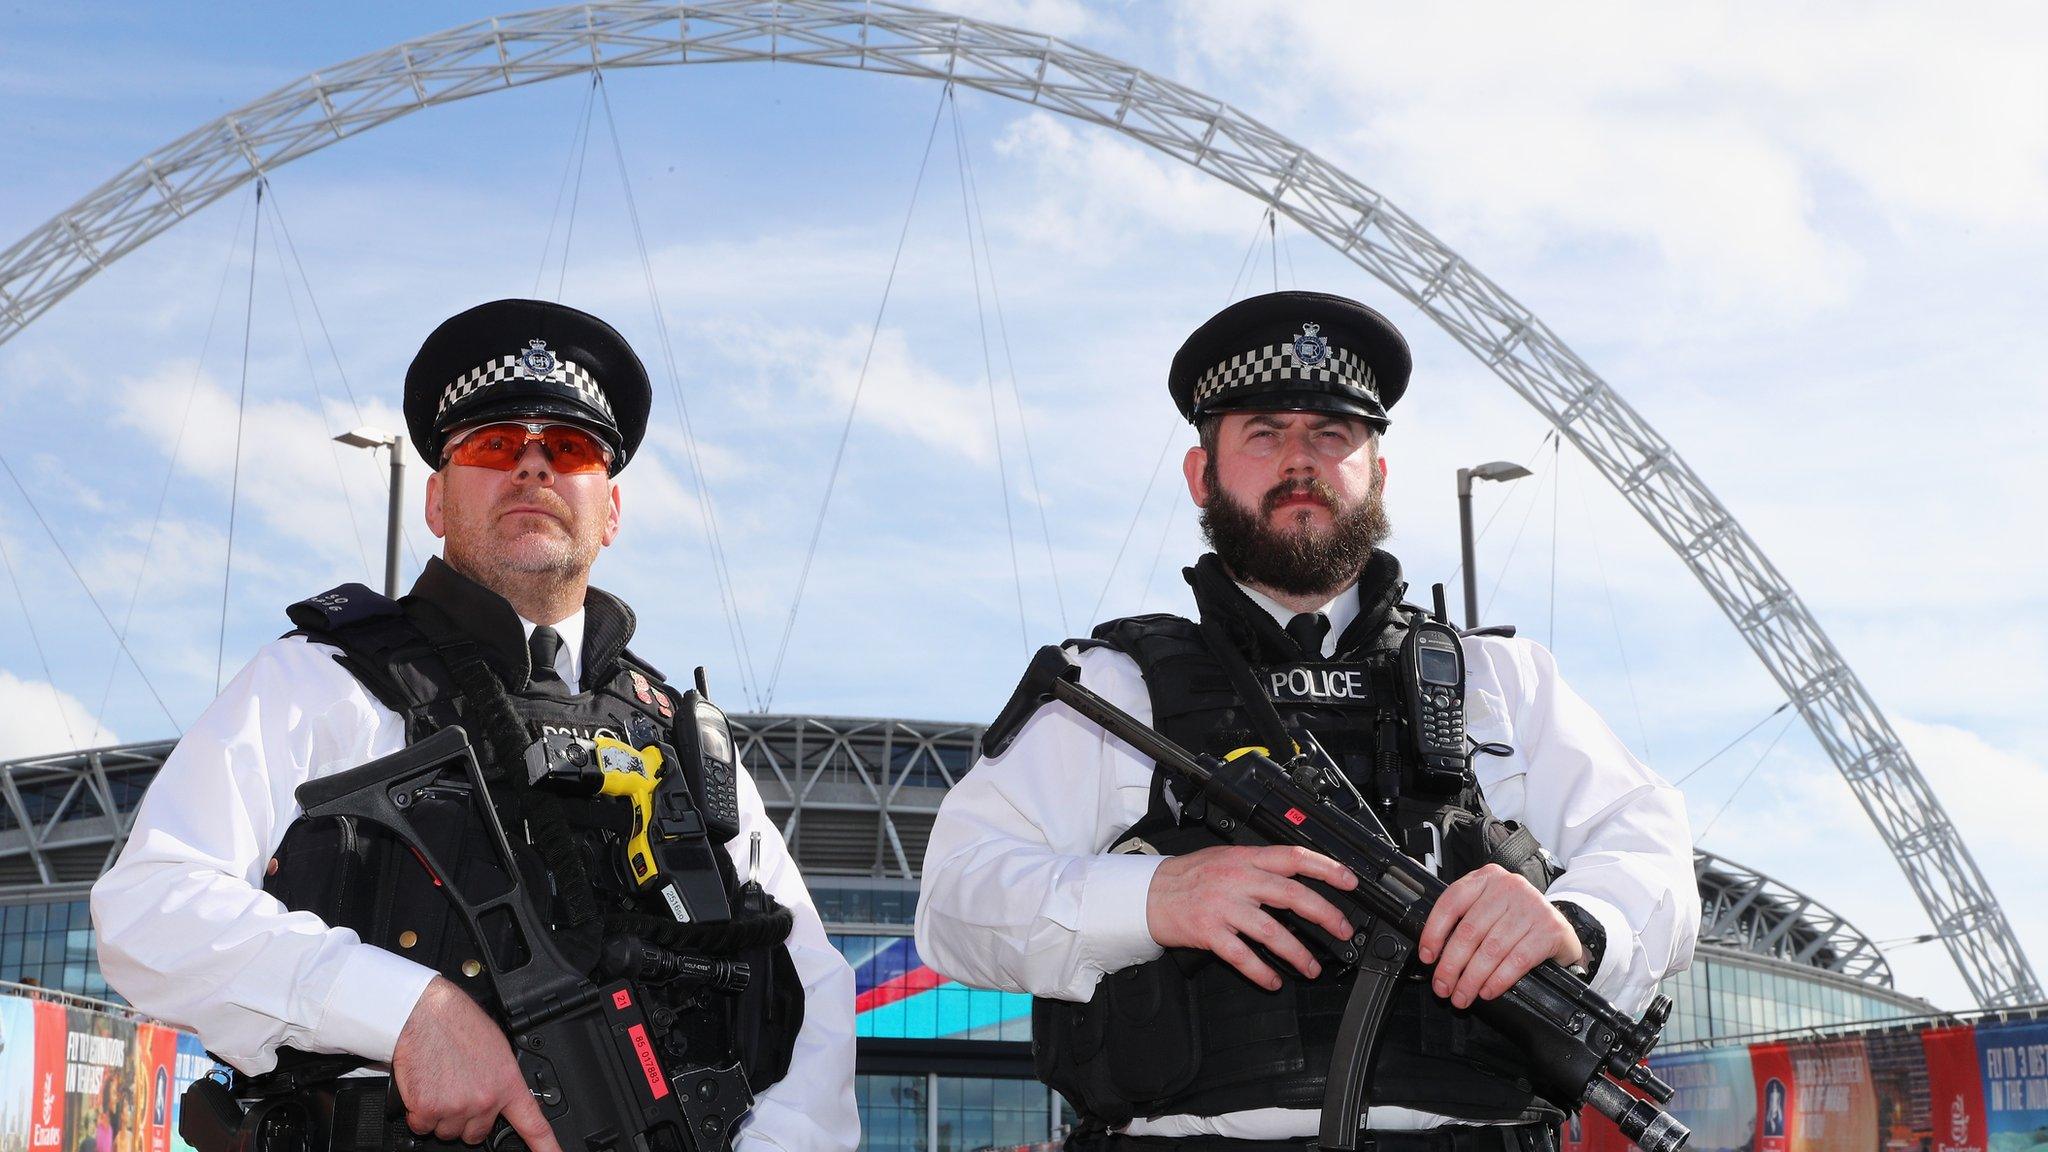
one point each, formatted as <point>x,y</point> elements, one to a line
<point>941,1066</point>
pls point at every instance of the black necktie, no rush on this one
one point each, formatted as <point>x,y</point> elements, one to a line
<point>542,648</point>
<point>1308,630</point>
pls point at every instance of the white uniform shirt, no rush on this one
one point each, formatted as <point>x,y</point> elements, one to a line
<point>187,933</point>
<point>1019,893</point>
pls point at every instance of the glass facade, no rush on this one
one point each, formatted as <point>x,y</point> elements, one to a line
<point>51,944</point>
<point>931,1113</point>
<point>1725,995</point>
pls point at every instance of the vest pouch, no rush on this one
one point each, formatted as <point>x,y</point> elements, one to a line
<point>1154,1040</point>
<point>1472,840</point>
<point>771,1013</point>
<point>1135,1041</point>
<point>1448,1061</point>
<point>319,867</point>
<point>422,922</point>
<point>1066,1055</point>
<point>358,876</point>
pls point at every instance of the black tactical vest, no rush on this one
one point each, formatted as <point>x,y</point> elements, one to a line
<point>437,657</point>
<point>1185,1034</point>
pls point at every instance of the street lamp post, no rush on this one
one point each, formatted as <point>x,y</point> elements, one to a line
<point>373,439</point>
<point>1498,470</point>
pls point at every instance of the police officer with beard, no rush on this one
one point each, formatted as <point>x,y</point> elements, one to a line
<point>1176,1008</point>
<point>279,939</point>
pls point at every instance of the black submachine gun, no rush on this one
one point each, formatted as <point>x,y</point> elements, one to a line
<point>586,1051</point>
<point>1581,1049</point>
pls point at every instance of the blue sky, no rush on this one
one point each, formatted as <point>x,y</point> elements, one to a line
<point>1805,244</point>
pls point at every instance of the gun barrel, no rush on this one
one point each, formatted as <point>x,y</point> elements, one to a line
<point>1650,1127</point>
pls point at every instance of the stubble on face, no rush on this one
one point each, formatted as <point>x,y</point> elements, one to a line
<point>494,544</point>
<point>1293,557</point>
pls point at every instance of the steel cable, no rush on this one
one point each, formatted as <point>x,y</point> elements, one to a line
<point>721,573</point>
<point>1010,363</point>
<point>235,481</point>
<point>853,406</point>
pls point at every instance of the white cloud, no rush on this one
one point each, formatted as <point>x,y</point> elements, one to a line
<point>38,719</point>
<point>1099,197</point>
<point>290,474</point>
<point>1741,149</point>
<point>1064,18</point>
<point>807,379</point>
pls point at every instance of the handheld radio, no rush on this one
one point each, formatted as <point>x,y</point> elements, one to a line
<point>1432,689</point>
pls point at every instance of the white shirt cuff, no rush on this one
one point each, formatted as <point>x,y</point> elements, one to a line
<point>1115,932</point>
<point>370,1002</point>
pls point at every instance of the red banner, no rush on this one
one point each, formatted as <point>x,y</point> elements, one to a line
<point>46,1123</point>
<point>1955,1091</point>
<point>1776,1096</point>
<point>156,1050</point>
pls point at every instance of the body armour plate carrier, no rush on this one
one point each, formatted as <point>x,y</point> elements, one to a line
<point>1185,1034</point>
<point>406,654</point>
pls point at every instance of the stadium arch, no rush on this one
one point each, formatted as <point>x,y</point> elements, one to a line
<point>894,39</point>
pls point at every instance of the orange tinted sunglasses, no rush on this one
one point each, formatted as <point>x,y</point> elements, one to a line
<point>499,446</point>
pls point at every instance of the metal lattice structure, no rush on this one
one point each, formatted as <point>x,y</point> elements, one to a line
<point>1751,912</point>
<point>853,797</point>
<point>869,35</point>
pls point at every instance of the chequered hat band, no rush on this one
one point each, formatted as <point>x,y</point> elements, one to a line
<point>1277,362</point>
<point>514,367</point>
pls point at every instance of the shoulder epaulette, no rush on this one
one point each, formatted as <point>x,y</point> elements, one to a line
<point>1506,631</point>
<point>341,606</point>
<point>1109,629</point>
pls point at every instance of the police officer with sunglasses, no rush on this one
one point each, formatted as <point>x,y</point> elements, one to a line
<point>281,939</point>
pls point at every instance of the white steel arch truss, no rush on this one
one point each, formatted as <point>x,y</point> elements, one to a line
<point>871,35</point>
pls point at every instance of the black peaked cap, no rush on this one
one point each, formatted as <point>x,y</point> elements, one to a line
<point>512,359</point>
<point>1292,352</point>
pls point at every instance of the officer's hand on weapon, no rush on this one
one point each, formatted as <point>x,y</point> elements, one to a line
<point>1218,898</point>
<point>1487,931</point>
<point>456,1073</point>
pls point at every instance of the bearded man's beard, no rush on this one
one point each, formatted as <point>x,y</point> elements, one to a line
<point>1294,560</point>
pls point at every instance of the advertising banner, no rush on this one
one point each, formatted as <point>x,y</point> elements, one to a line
<point>46,1123</point>
<point>192,1063</point>
<point>1898,1084</point>
<point>1776,1096</point>
<point>2015,1069</point>
<point>99,1100</point>
<point>156,1057</point>
<point>1955,1092</point>
<point>1714,1094</point>
<point>1836,1111</point>
<point>17,1073</point>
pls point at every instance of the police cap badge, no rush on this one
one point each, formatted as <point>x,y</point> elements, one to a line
<point>511,359</point>
<point>1292,352</point>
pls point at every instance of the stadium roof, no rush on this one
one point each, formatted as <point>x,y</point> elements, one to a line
<point>854,796</point>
